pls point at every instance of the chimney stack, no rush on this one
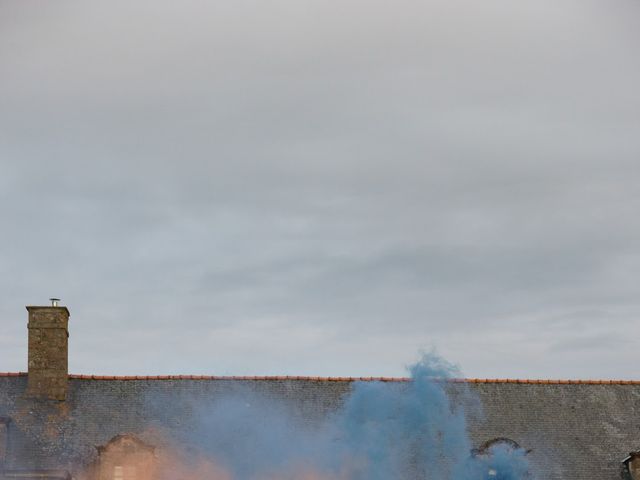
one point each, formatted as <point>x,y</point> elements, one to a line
<point>48,351</point>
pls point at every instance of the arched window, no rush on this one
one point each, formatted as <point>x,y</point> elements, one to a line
<point>505,442</point>
<point>125,457</point>
<point>631,466</point>
<point>501,459</point>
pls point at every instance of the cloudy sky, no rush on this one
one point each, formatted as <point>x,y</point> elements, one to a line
<point>323,187</point>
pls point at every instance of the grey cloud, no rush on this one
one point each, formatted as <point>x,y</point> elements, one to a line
<point>244,183</point>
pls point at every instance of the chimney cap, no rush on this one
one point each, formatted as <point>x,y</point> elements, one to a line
<point>54,301</point>
<point>33,308</point>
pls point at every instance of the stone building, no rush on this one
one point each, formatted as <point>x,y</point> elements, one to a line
<point>56,426</point>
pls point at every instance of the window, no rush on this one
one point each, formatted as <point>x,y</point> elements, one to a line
<point>118,473</point>
<point>125,457</point>
<point>631,466</point>
<point>500,442</point>
<point>126,472</point>
<point>501,458</point>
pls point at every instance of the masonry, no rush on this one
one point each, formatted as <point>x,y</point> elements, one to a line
<point>573,429</point>
<point>48,352</point>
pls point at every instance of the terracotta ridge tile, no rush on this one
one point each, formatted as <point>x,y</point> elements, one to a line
<point>338,379</point>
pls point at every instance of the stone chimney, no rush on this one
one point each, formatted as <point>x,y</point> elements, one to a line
<point>48,352</point>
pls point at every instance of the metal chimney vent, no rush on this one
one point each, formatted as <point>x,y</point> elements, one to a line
<point>54,302</point>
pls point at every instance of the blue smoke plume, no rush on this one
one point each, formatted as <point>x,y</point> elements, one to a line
<point>383,431</point>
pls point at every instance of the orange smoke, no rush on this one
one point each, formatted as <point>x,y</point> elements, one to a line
<point>128,458</point>
<point>171,466</point>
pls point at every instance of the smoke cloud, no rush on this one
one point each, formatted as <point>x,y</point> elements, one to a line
<point>382,431</point>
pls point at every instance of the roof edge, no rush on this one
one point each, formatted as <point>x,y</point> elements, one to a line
<point>334,379</point>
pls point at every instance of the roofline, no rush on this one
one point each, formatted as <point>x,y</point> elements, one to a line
<point>335,379</point>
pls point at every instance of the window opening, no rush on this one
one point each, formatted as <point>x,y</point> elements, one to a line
<point>118,472</point>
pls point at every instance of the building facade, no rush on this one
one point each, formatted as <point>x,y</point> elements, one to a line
<point>54,425</point>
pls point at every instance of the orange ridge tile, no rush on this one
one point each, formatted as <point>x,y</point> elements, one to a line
<point>338,379</point>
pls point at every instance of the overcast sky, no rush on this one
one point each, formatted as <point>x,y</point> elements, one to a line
<point>323,187</point>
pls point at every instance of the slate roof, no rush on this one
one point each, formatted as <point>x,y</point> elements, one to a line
<point>576,429</point>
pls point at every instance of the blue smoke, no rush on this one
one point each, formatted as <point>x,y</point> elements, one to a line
<point>416,432</point>
<point>414,427</point>
<point>383,431</point>
<point>500,462</point>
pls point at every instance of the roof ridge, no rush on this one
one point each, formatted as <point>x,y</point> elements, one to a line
<point>336,379</point>
<point>236,377</point>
